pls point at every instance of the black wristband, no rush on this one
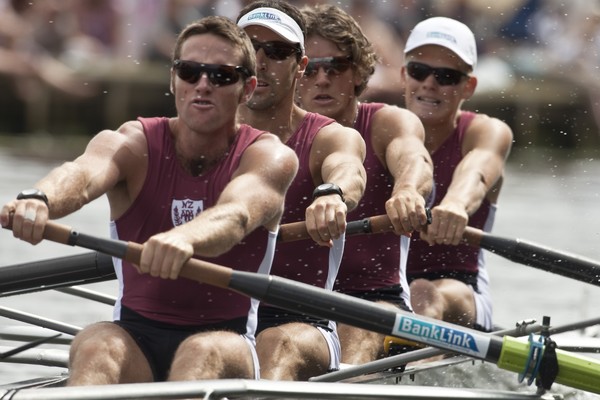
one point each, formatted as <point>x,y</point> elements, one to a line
<point>326,189</point>
<point>33,194</point>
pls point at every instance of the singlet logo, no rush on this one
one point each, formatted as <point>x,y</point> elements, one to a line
<point>183,211</point>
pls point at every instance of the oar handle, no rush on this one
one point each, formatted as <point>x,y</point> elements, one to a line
<point>376,224</point>
<point>199,270</point>
<point>472,236</point>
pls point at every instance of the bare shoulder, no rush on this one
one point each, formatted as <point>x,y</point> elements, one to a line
<point>269,139</point>
<point>483,123</point>
<point>487,132</point>
<point>337,131</point>
<point>398,121</point>
<point>129,135</point>
<point>131,128</point>
<point>268,151</point>
<point>270,143</point>
<point>132,132</point>
<point>393,111</point>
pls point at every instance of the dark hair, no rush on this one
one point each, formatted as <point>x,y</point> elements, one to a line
<point>224,28</point>
<point>286,8</point>
<point>334,24</point>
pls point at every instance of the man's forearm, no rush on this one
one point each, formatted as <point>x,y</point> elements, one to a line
<point>65,188</point>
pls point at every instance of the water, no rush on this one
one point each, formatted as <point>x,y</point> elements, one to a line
<point>547,198</point>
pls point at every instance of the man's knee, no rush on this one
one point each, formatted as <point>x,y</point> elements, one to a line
<point>102,339</point>
<point>105,353</point>
<point>213,355</point>
<point>274,342</point>
<point>425,299</point>
<point>292,352</point>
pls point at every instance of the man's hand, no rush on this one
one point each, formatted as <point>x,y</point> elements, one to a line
<point>29,217</point>
<point>326,219</point>
<point>406,210</point>
<point>165,254</point>
<point>448,225</point>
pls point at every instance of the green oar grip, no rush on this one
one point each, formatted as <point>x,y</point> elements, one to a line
<point>576,371</point>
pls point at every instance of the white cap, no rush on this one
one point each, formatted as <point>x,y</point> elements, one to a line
<point>275,20</point>
<point>445,32</point>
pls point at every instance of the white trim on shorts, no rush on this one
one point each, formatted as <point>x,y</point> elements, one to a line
<point>333,344</point>
<point>250,343</point>
<point>483,297</point>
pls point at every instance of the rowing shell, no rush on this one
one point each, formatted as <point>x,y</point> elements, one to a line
<point>227,388</point>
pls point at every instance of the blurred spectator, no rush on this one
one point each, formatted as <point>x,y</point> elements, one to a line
<point>31,41</point>
<point>518,27</point>
<point>54,43</point>
<point>569,46</point>
<point>176,14</point>
<point>385,85</point>
<point>402,15</point>
<point>94,34</point>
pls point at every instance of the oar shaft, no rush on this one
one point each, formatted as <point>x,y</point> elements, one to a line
<point>517,250</point>
<point>311,300</point>
<point>58,272</point>
<point>574,370</point>
<point>537,256</point>
<point>402,359</point>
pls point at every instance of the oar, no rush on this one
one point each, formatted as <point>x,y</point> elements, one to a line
<point>58,272</point>
<point>517,250</point>
<point>297,230</point>
<point>379,224</point>
<point>537,256</point>
<point>97,267</point>
<point>508,353</point>
<point>27,346</point>
<point>522,328</point>
<point>395,361</point>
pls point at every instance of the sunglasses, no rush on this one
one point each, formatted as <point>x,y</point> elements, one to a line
<point>331,65</point>
<point>443,76</point>
<point>218,74</point>
<point>276,50</point>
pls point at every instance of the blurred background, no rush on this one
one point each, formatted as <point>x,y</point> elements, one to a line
<point>70,68</point>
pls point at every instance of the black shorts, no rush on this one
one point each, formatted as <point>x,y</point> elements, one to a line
<point>159,341</point>
<point>389,294</point>
<point>269,317</point>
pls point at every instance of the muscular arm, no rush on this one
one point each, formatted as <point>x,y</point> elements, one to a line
<point>337,156</point>
<point>109,159</point>
<point>106,162</point>
<point>486,146</point>
<point>397,136</point>
<point>254,197</point>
